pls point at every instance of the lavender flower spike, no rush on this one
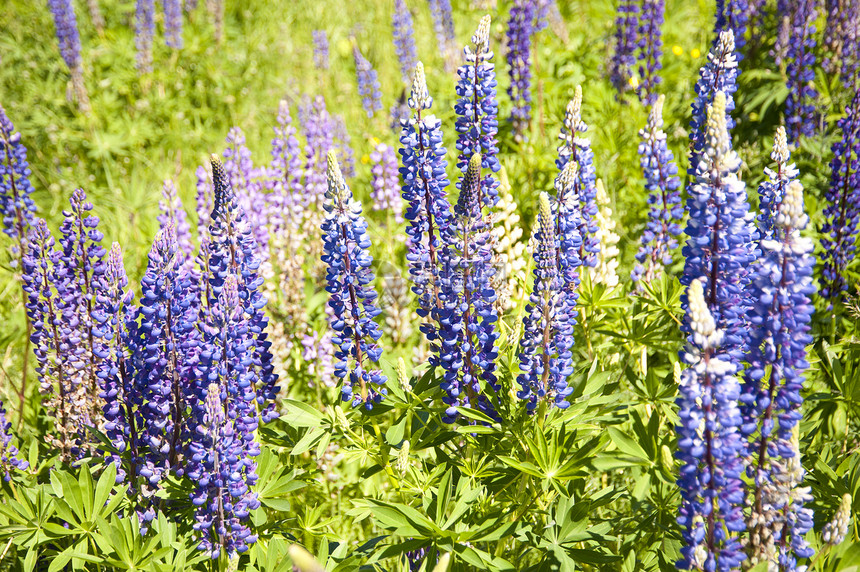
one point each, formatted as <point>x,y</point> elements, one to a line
<point>709,446</point>
<point>772,190</point>
<point>321,57</point>
<point>626,40</point>
<point>842,210</point>
<point>545,350</point>
<point>650,49</point>
<point>144,28</point>
<point>8,451</point>
<point>368,82</point>
<point>800,115</point>
<point>733,15</point>
<point>521,28</point>
<point>16,204</point>
<point>404,39</point>
<point>173,23</point>
<point>443,27</point>
<point>662,182</point>
<point>351,294</point>
<point>477,112</point>
<point>69,39</point>
<point>385,182</point>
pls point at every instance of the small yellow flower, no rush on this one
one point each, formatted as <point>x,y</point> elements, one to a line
<point>365,159</point>
<point>374,141</point>
<point>677,50</point>
<point>634,82</point>
<point>695,53</point>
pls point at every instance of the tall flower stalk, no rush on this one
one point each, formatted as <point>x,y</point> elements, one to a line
<point>772,190</point>
<point>173,23</point>
<point>443,27</point>
<point>626,40</point>
<point>404,39</point>
<point>66,25</point>
<point>368,82</point>
<point>144,30</point>
<point>650,49</point>
<point>385,182</point>
<point>800,114</point>
<point>733,15</point>
<point>521,28</point>
<point>321,56</point>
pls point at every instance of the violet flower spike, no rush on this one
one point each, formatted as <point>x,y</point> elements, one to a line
<point>368,82</point>
<point>321,55</point>
<point>521,28</point>
<point>144,29</point>
<point>800,114</point>
<point>626,40</point>
<point>385,182</point>
<point>404,39</point>
<point>173,23</point>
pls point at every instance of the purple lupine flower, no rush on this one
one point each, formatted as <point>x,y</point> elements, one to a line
<point>321,57</point>
<point>709,445</point>
<point>850,69</point>
<point>650,49</point>
<point>78,280</point>
<point>568,223</point>
<point>771,191</point>
<point>800,114</point>
<point>119,393</point>
<point>165,347</point>
<point>352,298</point>
<point>583,180</point>
<point>779,52</point>
<point>317,352</point>
<point>428,211</point>
<point>842,212</point>
<point>66,25</point>
<point>719,74</point>
<point>546,360</point>
<point>172,212</point>
<point>519,34</point>
<point>233,251</point>
<point>720,246</point>
<point>318,129</point>
<point>399,112</point>
<point>286,155</point>
<point>144,29</point>
<point>16,203</point>
<point>173,23</point>
<point>205,204</point>
<point>346,156</point>
<point>368,82</point>
<point>626,40</point>
<point>443,27</point>
<point>662,183</point>
<point>733,15</point>
<point>385,182</point>
<point>477,112</point>
<point>770,404</point>
<point>244,181</point>
<point>222,446</point>
<point>404,39</point>
<point>8,451</point>
<point>51,338</point>
<point>467,317</point>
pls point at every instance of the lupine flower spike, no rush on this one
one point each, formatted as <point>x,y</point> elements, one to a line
<point>709,445</point>
<point>173,23</point>
<point>662,183</point>
<point>144,29</point>
<point>69,39</point>
<point>404,39</point>
<point>427,209</point>
<point>321,58</point>
<point>477,113</point>
<point>733,15</point>
<point>368,82</point>
<point>772,190</point>
<point>650,49</point>
<point>351,294</point>
<point>605,271</point>
<point>576,150</point>
<point>509,251</point>
<point>545,350</point>
<point>842,210</point>
<point>443,27</point>
<point>800,114</point>
<point>385,182</point>
<point>467,320</point>
<point>626,40</point>
<point>770,398</point>
<point>836,530</point>
<point>8,452</point>
<point>519,38</point>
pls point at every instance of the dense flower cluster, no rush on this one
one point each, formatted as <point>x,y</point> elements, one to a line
<point>404,39</point>
<point>173,23</point>
<point>477,111</point>
<point>443,27</point>
<point>650,49</point>
<point>772,190</point>
<point>509,251</point>
<point>841,36</point>
<point>605,269</point>
<point>733,15</point>
<point>800,115</point>
<point>8,452</point>
<point>385,182</point>
<point>66,25</point>
<point>662,183</point>
<point>144,29</point>
<point>368,82</point>
<point>546,359</point>
<point>626,40</point>
<point>351,294</point>
<point>519,58</point>
<point>16,203</point>
<point>842,210</point>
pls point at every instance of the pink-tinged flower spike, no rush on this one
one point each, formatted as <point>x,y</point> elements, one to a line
<point>771,395</point>
<point>8,452</point>
<point>349,282</point>
<point>144,29</point>
<point>385,182</point>
<point>477,113</point>
<point>51,338</point>
<point>842,210</point>
<point>581,177</point>
<point>709,446</point>
<point>69,39</point>
<point>173,23</point>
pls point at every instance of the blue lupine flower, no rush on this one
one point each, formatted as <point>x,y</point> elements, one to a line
<point>233,250</point>
<point>321,57</point>
<point>173,23</point>
<point>800,115</point>
<point>8,451</point>
<point>842,211</point>
<point>404,39</point>
<point>318,129</point>
<point>385,182</point>
<point>662,183</point>
<point>287,154</point>
<point>545,350</point>
<point>346,156</point>
<point>733,15</point>
<point>443,27</point>
<point>165,345</point>
<point>583,180</point>
<point>351,295</point>
<point>428,210</point>
<point>113,317</point>
<point>467,318</point>
<point>172,212</point>
<point>709,445</point>
<point>772,190</point>
<point>650,49</point>
<point>568,222</point>
<point>16,203</point>
<point>720,246</point>
<point>244,180</point>
<point>477,113</point>
<point>626,40</point>
<point>368,82</point>
<point>770,399</point>
<point>144,29</point>
<point>66,25</point>
<point>519,35</point>
<point>222,444</point>
<point>719,74</point>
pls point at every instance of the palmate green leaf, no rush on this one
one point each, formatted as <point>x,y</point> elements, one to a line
<point>299,414</point>
<point>627,445</point>
<point>403,520</point>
